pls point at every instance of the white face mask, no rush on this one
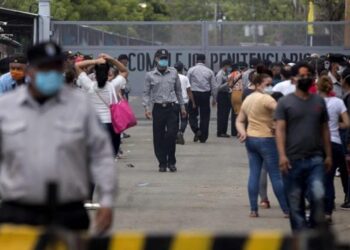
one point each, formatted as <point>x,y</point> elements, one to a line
<point>268,90</point>
<point>340,70</point>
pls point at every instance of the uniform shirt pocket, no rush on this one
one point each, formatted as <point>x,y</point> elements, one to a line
<point>13,135</point>
<point>70,133</point>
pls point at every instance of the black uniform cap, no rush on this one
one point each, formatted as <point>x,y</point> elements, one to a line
<point>18,59</point>
<point>162,53</point>
<point>45,52</point>
<point>337,58</point>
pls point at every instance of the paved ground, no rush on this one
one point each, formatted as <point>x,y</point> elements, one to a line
<point>208,193</point>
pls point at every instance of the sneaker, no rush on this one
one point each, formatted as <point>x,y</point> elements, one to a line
<point>337,173</point>
<point>224,136</point>
<point>197,136</point>
<point>345,206</point>
<point>180,139</point>
<point>172,168</point>
<point>253,214</point>
<point>125,136</point>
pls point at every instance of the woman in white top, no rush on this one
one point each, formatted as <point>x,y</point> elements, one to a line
<point>336,111</point>
<point>102,91</point>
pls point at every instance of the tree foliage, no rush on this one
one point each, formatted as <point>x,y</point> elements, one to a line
<point>185,10</point>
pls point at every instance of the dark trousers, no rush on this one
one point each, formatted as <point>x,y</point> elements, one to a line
<point>233,124</point>
<point>183,120</point>
<point>115,138</point>
<point>223,112</point>
<point>72,216</point>
<point>202,109</point>
<point>338,161</point>
<point>165,128</point>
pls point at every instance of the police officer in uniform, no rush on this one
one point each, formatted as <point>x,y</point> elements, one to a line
<point>51,133</point>
<point>163,90</point>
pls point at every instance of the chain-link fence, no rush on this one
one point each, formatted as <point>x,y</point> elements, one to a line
<point>200,34</point>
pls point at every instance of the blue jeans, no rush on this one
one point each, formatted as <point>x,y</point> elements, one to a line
<point>305,177</point>
<point>263,150</point>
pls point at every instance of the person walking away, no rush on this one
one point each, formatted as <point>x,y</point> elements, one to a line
<point>223,98</point>
<point>163,90</point>
<point>51,133</point>
<point>17,75</point>
<point>186,95</point>
<point>345,133</point>
<point>257,109</point>
<point>102,91</point>
<point>203,85</point>
<point>336,111</point>
<point>287,86</point>
<point>301,130</point>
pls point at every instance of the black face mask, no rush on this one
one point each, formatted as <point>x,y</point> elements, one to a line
<point>305,84</point>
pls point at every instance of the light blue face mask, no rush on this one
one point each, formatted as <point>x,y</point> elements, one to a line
<point>163,63</point>
<point>49,83</point>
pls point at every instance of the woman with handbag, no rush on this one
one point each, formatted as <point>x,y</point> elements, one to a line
<point>104,90</point>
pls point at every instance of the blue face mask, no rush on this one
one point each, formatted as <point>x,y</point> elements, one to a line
<point>49,83</point>
<point>163,63</point>
<point>229,70</point>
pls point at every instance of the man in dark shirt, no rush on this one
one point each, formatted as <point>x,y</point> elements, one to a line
<point>301,130</point>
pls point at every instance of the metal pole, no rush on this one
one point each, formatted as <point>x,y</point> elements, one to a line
<point>347,25</point>
<point>45,20</point>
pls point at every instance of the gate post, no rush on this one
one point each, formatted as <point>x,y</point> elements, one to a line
<point>44,20</point>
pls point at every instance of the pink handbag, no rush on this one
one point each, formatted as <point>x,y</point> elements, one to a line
<point>122,116</point>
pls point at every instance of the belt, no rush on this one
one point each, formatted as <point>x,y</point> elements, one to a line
<point>165,104</point>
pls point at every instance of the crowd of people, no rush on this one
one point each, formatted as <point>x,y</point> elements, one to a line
<point>292,116</point>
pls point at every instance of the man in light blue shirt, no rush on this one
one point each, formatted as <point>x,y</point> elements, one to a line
<point>16,76</point>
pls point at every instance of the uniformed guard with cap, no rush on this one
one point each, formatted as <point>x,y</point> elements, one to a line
<point>336,66</point>
<point>51,133</point>
<point>16,76</point>
<point>163,90</point>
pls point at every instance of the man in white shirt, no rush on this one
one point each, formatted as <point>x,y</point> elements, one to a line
<point>187,95</point>
<point>288,85</point>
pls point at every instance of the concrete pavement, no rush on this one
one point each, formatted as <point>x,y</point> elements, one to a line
<point>208,193</point>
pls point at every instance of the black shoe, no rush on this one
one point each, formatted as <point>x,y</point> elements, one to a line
<point>345,206</point>
<point>180,139</point>
<point>162,169</point>
<point>125,136</point>
<point>172,168</point>
<point>224,136</point>
<point>197,136</point>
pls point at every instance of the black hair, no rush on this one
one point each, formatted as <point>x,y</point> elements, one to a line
<point>123,57</point>
<point>70,75</point>
<point>287,74</point>
<point>277,96</point>
<point>346,76</point>
<point>101,71</point>
<point>299,65</point>
<point>226,62</point>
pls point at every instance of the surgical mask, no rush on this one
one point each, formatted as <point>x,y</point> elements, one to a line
<point>340,70</point>
<point>229,70</point>
<point>304,84</point>
<point>49,83</point>
<point>163,63</point>
<point>17,74</point>
<point>268,90</point>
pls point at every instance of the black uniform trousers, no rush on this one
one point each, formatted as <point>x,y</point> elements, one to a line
<point>223,112</point>
<point>165,129</point>
<point>72,216</point>
<point>202,110</point>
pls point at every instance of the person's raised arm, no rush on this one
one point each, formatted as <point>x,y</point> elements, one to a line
<point>79,66</point>
<point>123,71</point>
